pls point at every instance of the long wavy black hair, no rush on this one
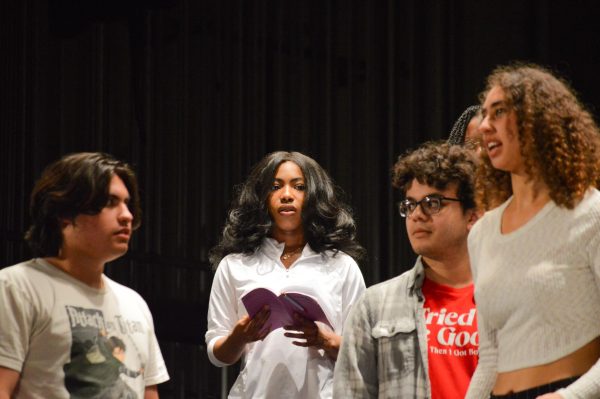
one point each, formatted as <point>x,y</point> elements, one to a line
<point>327,220</point>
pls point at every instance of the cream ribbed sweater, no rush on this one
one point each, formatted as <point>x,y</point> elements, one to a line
<point>537,291</point>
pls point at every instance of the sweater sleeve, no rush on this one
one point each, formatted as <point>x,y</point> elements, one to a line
<point>484,377</point>
<point>588,385</point>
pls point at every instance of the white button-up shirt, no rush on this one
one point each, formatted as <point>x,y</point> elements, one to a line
<point>274,368</point>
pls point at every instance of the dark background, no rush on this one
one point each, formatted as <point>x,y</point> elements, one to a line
<point>193,93</point>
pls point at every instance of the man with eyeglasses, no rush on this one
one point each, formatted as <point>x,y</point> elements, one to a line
<point>415,335</point>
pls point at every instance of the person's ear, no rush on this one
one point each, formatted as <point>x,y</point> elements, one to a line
<point>66,222</point>
<point>473,216</point>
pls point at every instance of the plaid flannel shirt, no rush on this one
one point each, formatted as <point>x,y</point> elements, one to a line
<point>384,349</point>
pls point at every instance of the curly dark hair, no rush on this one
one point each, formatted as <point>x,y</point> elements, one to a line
<point>558,137</point>
<point>75,184</point>
<point>438,164</point>
<point>328,222</point>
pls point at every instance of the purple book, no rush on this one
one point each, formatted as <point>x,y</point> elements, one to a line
<point>283,307</point>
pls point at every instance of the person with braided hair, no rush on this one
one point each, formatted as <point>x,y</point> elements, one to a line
<point>466,129</point>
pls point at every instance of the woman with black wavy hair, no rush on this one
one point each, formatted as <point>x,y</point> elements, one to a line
<point>287,230</point>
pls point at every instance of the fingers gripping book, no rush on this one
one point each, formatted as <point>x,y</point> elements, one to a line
<point>283,307</point>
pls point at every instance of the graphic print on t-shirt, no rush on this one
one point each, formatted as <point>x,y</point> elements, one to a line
<point>452,338</point>
<point>98,351</point>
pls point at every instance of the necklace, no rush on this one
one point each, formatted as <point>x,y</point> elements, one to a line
<point>287,255</point>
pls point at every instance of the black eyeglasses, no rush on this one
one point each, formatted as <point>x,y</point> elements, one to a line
<point>430,205</point>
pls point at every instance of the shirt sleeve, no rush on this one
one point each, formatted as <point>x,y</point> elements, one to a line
<point>16,325</point>
<point>222,311</point>
<point>155,371</point>
<point>354,287</point>
<point>355,374</point>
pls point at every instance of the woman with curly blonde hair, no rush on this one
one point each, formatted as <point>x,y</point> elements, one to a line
<point>535,254</point>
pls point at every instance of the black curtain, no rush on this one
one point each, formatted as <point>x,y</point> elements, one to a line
<point>193,93</point>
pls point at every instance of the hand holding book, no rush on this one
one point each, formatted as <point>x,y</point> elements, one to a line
<point>298,314</point>
<point>229,349</point>
<point>283,307</point>
<point>310,334</point>
<point>253,329</point>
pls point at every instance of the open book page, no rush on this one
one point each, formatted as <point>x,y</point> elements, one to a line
<point>259,297</point>
<point>313,291</point>
<point>284,306</point>
<point>305,306</point>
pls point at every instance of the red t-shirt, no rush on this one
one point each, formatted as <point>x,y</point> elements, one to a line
<point>452,339</point>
